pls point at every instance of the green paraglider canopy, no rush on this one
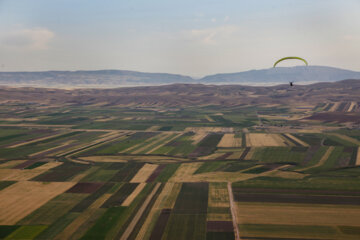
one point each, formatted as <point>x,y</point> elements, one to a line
<point>287,58</point>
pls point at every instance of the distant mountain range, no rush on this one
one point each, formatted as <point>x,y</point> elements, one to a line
<point>120,78</point>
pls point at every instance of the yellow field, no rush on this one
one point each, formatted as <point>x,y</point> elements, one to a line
<point>36,140</point>
<point>11,164</point>
<point>287,174</point>
<point>198,137</point>
<point>352,106</point>
<point>134,194</point>
<point>209,129</point>
<point>235,155</point>
<point>334,107</point>
<point>78,177</point>
<point>229,140</point>
<point>104,159</point>
<point>159,204</point>
<point>358,158</point>
<point>144,173</point>
<point>22,198</point>
<point>153,128</point>
<point>50,149</point>
<point>184,172</point>
<point>218,217</point>
<point>218,195</point>
<point>209,118</point>
<point>154,142</point>
<point>169,201</point>
<point>25,174</point>
<point>160,145</point>
<point>297,214</point>
<point>250,154</point>
<point>110,136</point>
<point>211,156</point>
<point>264,140</point>
<point>106,119</point>
<point>82,218</point>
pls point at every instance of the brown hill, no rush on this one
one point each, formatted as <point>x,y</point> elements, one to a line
<point>182,95</point>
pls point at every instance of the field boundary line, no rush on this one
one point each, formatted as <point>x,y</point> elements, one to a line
<point>138,215</point>
<point>233,211</point>
<point>36,140</point>
<point>161,145</point>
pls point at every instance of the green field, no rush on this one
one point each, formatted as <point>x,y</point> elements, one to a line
<point>159,174</point>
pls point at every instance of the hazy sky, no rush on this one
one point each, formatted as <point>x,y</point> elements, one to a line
<point>192,37</point>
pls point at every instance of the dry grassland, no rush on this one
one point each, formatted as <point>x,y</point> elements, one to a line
<point>138,215</point>
<point>53,148</point>
<point>289,175</point>
<point>198,137</point>
<point>104,159</point>
<point>301,214</point>
<point>25,174</point>
<point>144,173</point>
<point>184,172</point>
<point>82,218</point>
<point>264,140</point>
<point>22,198</point>
<point>153,128</point>
<point>113,135</point>
<point>211,156</point>
<point>170,199</point>
<point>134,194</point>
<point>352,106</point>
<point>250,154</point>
<point>125,158</point>
<point>347,138</point>
<point>297,140</point>
<point>235,155</point>
<point>105,119</point>
<point>153,143</point>
<point>160,145</point>
<point>209,118</point>
<point>218,195</point>
<point>229,140</point>
<point>80,176</point>
<point>228,176</point>
<point>11,164</point>
<point>334,107</point>
<point>209,129</point>
<point>36,140</point>
<point>218,217</point>
<point>322,160</point>
<point>358,158</point>
<point>159,204</point>
<point>149,140</point>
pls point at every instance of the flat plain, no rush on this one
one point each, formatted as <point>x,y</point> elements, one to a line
<point>144,168</point>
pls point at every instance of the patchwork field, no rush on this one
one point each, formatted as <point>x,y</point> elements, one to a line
<point>262,171</point>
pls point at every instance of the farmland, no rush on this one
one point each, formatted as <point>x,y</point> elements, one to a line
<point>204,171</point>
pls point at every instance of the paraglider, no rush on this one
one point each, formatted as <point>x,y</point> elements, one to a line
<point>287,58</point>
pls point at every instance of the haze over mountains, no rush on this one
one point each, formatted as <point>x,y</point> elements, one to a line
<point>120,78</point>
